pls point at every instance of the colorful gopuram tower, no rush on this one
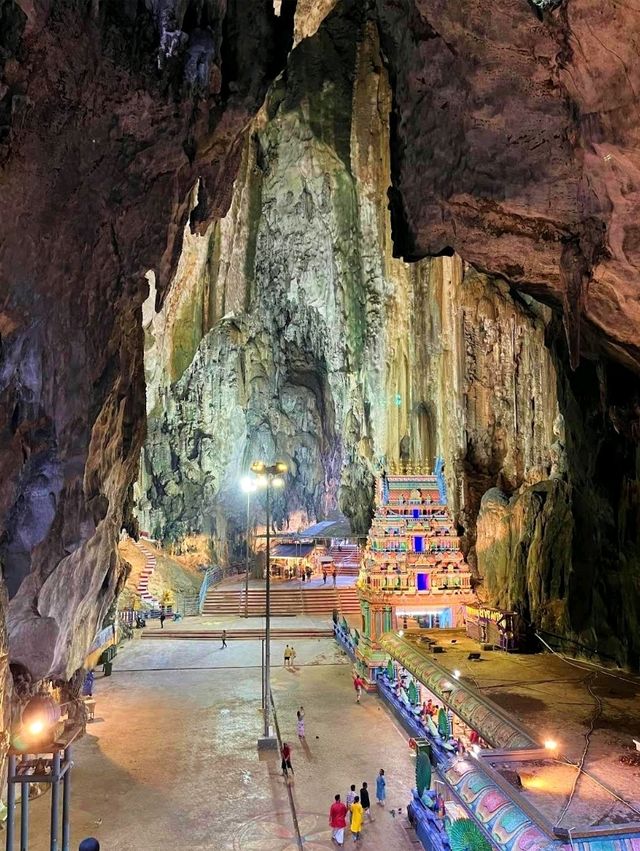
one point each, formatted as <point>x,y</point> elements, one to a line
<point>413,573</point>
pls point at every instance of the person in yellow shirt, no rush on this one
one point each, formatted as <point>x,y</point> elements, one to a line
<point>357,815</point>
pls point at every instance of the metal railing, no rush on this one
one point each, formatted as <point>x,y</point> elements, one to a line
<point>212,576</point>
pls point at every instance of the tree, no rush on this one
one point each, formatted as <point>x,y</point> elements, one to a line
<point>413,693</point>
<point>391,671</point>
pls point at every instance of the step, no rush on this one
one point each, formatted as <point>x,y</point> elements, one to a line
<point>237,634</point>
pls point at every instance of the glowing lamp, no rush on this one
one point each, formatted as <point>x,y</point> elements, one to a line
<point>550,745</point>
<point>475,750</point>
<point>401,633</point>
<point>248,484</point>
<point>278,482</point>
<point>456,674</point>
<point>40,715</point>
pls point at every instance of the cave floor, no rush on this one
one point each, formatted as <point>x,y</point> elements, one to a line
<point>551,697</point>
<point>171,759</point>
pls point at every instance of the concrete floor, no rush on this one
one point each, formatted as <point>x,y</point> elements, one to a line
<point>171,759</point>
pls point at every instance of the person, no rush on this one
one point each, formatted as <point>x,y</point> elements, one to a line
<point>302,575</point>
<point>357,684</point>
<point>224,639</point>
<point>162,619</point>
<point>337,820</point>
<point>351,796</point>
<point>87,686</point>
<point>356,819</point>
<point>293,657</point>
<point>324,575</point>
<point>309,572</point>
<point>381,788</point>
<point>287,656</point>
<point>89,844</point>
<point>334,573</point>
<point>365,800</point>
<point>285,753</point>
<point>300,725</point>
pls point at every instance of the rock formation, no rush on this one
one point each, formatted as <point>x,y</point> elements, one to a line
<point>110,114</point>
<point>515,142</point>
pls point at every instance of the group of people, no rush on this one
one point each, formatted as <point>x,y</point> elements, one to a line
<point>354,809</point>
<point>334,574</point>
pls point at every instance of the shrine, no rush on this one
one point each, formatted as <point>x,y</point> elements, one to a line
<point>413,573</point>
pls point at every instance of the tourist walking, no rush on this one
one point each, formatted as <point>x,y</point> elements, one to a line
<point>356,819</point>
<point>300,725</point>
<point>162,619</point>
<point>224,639</point>
<point>309,572</point>
<point>287,656</point>
<point>285,753</point>
<point>358,682</point>
<point>334,573</point>
<point>293,657</point>
<point>324,575</point>
<point>381,788</point>
<point>337,820</point>
<point>351,796</point>
<point>365,800</point>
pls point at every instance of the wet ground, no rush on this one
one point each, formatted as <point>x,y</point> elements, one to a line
<point>171,759</point>
<point>564,701</point>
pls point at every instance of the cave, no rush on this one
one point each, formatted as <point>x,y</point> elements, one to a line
<point>341,234</point>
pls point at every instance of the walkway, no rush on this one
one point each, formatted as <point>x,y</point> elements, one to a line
<point>171,760</point>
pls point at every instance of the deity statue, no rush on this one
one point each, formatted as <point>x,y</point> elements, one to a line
<point>557,451</point>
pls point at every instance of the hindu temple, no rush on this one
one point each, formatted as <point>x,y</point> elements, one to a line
<point>413,571</point>
<point>319,424</point>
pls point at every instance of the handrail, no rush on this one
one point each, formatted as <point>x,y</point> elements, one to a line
<point>212,576</point>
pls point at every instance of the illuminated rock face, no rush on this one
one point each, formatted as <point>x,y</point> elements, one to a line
<point>312,343</point>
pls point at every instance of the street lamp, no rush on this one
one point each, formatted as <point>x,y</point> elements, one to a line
<point>269,476</point>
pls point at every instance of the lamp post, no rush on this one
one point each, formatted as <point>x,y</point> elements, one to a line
<point>249,485</point>
<point>271,476</point>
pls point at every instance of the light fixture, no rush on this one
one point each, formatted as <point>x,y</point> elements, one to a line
<point>475,750</point>
<point>550,744</point>
<point>278,482</point>
<point>401,633</point>
<point>39,716</point>
<point>456,674</point>
<point>249,484</point>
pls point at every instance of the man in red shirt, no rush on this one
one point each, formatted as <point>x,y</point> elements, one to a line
<point>338,820</point>
<point>358,682</point>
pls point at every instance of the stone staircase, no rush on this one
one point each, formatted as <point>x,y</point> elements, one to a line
<point>347,559</point>
<point>317,602</point>
<point>145,574</point>
<point>236,634</point>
